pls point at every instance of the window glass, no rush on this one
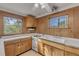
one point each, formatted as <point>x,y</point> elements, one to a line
<point>63,21</point>
<point>12,25</point>
<point>54,22</point>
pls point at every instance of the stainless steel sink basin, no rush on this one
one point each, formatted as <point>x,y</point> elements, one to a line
<point>37,36</point>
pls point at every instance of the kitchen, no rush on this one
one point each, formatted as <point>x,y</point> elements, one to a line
<point>44,29</point>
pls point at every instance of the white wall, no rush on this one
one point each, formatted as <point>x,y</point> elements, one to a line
<point>2,53</point>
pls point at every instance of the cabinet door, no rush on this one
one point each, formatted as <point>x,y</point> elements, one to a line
<point>18,48</point>
<point>29,41</point>
<point>10,49</point>
<point>40,48</point>
<point>42,26</point>
<point>57,52</point>
<point>23,46</point>
<point>69,54</point>
<point>47,50</point>
<point>27,44</point>
<point>30,21</point>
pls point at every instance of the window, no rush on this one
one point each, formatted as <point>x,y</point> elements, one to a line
<point>12,25</point>
<point>59,22</point>
<point>63,21</point>
<point>54,22</point>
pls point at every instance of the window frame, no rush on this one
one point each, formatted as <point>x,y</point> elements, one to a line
<point>52,19</point>
<point>67,22</point>
<point>12,33</point>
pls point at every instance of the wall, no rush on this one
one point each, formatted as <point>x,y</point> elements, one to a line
<point>2,14</point>
<point>76,22</point>
<point>73,21</point>
<point>2,50</point>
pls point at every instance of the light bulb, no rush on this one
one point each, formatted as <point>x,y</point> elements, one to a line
<point>36,5</point>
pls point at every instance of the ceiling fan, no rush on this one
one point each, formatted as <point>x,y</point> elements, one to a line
<point>45,6</point>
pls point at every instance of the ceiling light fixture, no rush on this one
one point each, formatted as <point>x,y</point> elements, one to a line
<point>36,5</point>
<point>42,5</point>
<point>45,6</point>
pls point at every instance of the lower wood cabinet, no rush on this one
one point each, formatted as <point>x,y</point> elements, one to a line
<point>17,47</point>
<point>52,51</point>
<point>13,48</point>
<point>10,49</point>
<point>47,50</point>
<point>29,44</point>
<point>57,52</point>
<point>26,45</point>
<point>40,47</point>
<point>70,54</point>
<point>23,46</point>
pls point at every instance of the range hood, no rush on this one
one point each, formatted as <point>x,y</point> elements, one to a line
<point>31,29</point>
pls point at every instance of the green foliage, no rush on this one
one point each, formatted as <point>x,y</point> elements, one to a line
<point>12,28</point>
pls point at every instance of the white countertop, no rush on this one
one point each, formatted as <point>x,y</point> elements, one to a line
<point>63,40</point>
<point>73,42</point>
<point>15,37</point>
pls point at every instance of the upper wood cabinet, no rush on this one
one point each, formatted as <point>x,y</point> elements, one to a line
<point>42,25</point>
<point>30,21</point>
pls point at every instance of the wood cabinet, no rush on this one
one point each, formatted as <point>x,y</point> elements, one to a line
<point>30,21</point>
<point>17,47</point>
<point>23,46</point>
<point>40,47</point>
<point>69,54</point>
<point>10,49</point>
<point>57,52</point>
<point>42,25</point>
<point>47,50</point>
<point>29,44</point>
<point>52,51</point>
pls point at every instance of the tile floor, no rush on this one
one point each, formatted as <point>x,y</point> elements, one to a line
<point>30,53</point>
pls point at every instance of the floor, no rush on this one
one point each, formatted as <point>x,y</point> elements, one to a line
<point>31,53</point>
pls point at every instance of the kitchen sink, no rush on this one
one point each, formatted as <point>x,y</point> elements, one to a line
<point>37,36</point>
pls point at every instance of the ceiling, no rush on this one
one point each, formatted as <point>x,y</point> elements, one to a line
<point>29,8</point>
